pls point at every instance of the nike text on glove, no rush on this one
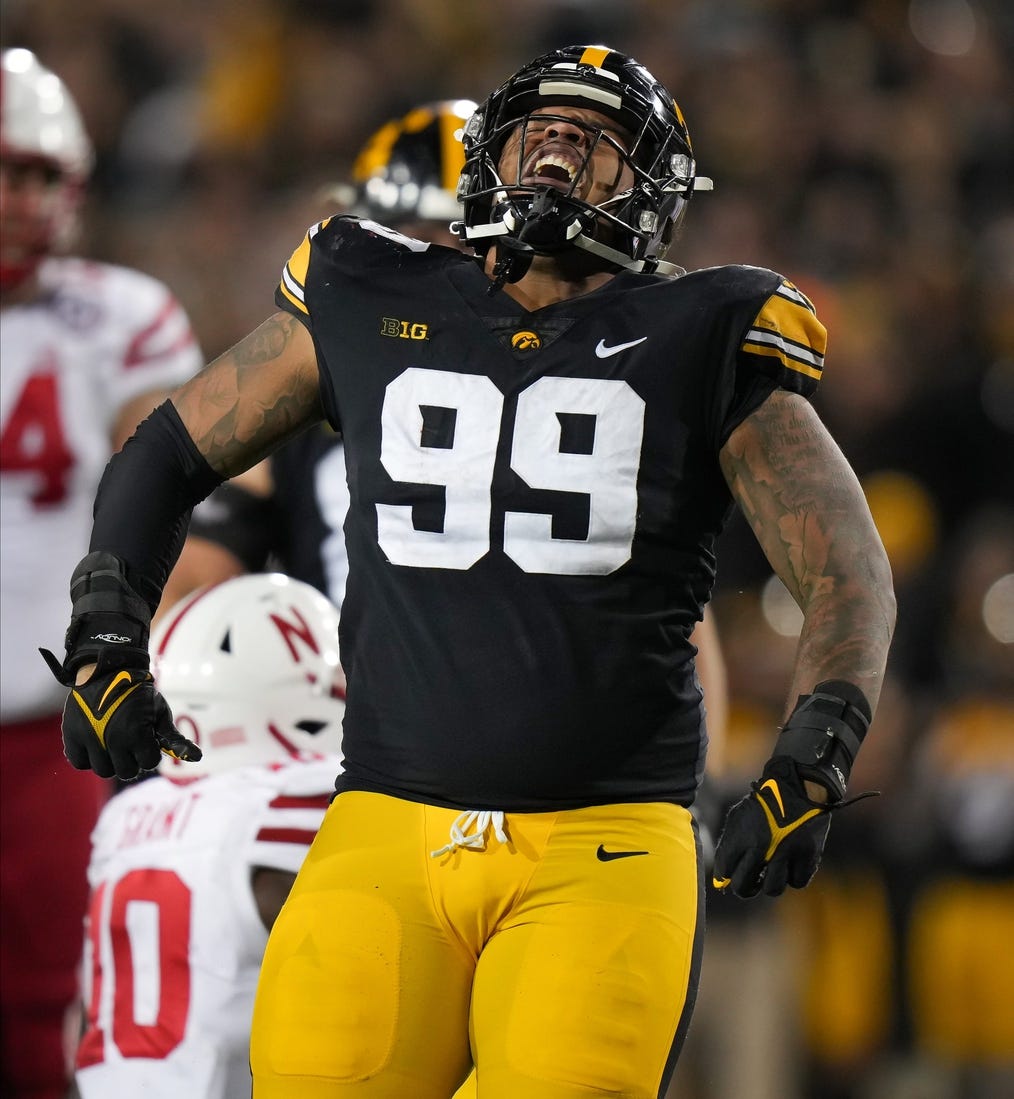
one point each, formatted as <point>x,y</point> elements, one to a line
<point>116,723</point>
<point>774,837</point>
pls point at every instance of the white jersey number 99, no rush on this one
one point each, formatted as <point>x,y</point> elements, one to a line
<point>607,475</point>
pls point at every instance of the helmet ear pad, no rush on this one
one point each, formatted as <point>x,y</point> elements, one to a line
<point>251,671</point>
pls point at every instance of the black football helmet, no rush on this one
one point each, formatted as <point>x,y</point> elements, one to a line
<point>408,170</point>
<point>633,229</point>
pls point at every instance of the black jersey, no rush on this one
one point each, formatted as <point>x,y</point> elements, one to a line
<point>310,499</point>
<point>534,503</point>
<point>298,528</point>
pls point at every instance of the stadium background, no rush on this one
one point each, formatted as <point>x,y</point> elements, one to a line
<point>866,151</point>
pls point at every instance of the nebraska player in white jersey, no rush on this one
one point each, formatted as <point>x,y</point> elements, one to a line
<point>87,351</point>
<point>76,363</point>
<point>190,868</point>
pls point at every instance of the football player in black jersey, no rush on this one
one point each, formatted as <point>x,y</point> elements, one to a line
<point>542,445</point>
<point>287,512</point>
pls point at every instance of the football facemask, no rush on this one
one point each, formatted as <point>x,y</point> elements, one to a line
<point>632,228</point>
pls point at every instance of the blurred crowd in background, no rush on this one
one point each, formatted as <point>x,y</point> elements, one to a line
<point>863,148</point>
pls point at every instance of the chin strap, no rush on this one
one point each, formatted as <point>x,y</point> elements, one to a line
<point>514,256</point>
<point>513,259</point>
<point>650,266</point>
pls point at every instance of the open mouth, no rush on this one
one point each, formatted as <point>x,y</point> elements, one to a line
<point>553,170</point>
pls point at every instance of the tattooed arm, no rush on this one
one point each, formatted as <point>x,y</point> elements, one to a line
<point>253,398</point>
<point>238,409</point>
<point>235,412</point>
<point>809,514</point>
<point>213,407</point>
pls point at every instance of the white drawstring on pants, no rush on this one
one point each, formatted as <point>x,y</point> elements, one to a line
<point>479,820</point>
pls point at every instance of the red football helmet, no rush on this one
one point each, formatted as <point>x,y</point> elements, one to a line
<point>40,126</point>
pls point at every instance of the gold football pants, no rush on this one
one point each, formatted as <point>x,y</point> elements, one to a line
<point>563,963</point>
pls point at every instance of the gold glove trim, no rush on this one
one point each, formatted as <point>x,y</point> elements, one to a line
<point>780,831</point>
<point>98,723</point>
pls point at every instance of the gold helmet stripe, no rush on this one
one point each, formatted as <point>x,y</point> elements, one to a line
<point>683,122</point>
<point>417,119</point>
<point>594,55</point>
<point>376,154</point>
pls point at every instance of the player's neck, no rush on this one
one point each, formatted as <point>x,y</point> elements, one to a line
<point>548,281</point>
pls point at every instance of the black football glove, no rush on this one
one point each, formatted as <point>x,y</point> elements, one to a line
<point>116,723</point>
<point>775,836</point>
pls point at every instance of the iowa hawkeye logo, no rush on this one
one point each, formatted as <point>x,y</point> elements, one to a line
<point>404,330</point>
<point>526,341</point>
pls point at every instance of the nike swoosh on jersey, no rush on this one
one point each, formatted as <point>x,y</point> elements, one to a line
<point>604,352</point>
<point>607,856</point>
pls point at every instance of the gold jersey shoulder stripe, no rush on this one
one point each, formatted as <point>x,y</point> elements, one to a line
<point>294,273</point>
<point>786,328</point>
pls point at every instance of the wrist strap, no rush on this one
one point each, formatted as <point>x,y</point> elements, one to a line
<point>824,732</point>
<point>109,621</point>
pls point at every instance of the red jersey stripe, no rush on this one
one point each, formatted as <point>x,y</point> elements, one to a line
<point>302,836</point>
<point>139,350</point>
<point>311,801</point>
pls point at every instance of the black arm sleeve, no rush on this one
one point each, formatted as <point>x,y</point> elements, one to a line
<point>144,500</point>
